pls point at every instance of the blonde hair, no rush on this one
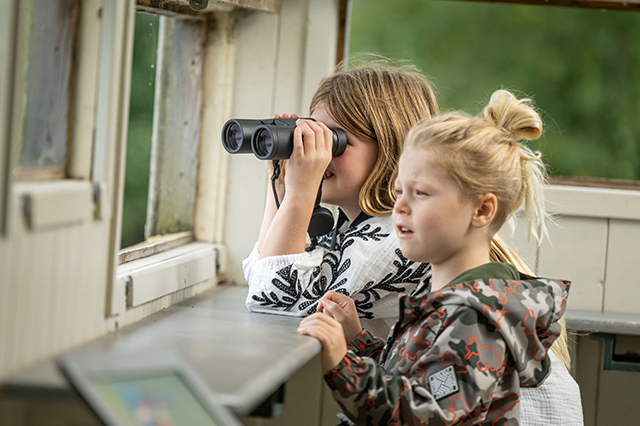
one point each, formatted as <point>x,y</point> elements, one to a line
<point>377,102</point>
<point>483,154</point>
<point>500,252</point>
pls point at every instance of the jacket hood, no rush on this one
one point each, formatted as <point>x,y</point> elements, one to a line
<point>526,313</point>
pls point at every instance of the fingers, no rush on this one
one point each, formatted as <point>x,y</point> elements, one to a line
<point>317,319</point>
<point>316,135</point>
<point>344,301</point>
<point>342,308</point>
<point>334,310</point>
<point>329,332</point>
<point>336,297</point>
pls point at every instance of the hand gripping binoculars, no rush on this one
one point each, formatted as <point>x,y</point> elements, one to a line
<point>272,139</point>
<point>269,139</point>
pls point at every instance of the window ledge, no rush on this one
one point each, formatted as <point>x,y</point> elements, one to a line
<point>593,202</point>
<point>143,280</point>
<point>243,356</point>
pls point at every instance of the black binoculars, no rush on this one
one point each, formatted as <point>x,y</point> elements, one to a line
<point>269,139</point>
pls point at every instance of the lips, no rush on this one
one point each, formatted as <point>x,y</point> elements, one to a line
<point>403,231</point>
<point>328,174</point>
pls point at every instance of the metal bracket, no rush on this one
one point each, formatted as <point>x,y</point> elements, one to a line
<point>128,290</point>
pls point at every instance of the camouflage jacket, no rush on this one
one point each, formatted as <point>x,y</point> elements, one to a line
<point>455,356</point>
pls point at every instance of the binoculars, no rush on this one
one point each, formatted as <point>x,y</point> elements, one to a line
<point>269,139</point>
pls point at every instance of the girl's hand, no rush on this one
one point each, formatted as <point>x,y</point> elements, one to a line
<point>331,336</point>
<point>285,116</point>
<point>312,153</point>
<point>280,180</point>
<point>342,308</point>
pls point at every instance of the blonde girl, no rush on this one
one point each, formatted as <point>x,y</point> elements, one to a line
<point>375,104</point>
<point>475,331</point>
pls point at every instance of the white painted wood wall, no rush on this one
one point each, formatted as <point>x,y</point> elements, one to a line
<point>593,242</point>
<point>56,279</point>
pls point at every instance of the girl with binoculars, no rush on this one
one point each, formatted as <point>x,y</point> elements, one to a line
<point>375,105</point>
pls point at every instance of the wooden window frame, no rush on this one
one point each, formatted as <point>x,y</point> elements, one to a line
<point>176,261</point>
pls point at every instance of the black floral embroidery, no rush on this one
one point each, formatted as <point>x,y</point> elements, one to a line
<point>290,286</point>
<point>404,274</point>
<point>333,278</point>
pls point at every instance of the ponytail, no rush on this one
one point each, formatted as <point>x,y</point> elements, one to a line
<point>519,120</point>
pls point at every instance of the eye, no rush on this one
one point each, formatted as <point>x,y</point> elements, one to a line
<point>398,191</point>
<point>421,193</point>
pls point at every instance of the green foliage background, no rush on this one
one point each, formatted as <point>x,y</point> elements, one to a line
<point>581,67</point>
<point>143,75</point>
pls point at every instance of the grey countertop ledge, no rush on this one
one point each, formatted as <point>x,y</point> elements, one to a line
<point>603,322</point>
<point>244,357</point>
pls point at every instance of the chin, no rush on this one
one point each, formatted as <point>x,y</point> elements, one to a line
<point>409,254</point>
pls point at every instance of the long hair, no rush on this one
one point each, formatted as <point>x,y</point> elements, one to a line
<point>377,102</point>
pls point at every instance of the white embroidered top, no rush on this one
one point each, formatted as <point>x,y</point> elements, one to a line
<point>364,261</point>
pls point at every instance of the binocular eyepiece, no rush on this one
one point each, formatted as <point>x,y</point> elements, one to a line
<point>269,139</point>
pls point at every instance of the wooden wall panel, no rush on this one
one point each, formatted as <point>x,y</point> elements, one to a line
<point>577,252</point>
<point>518,239</point>
<point>290,60</point>
<point>213,160</point>
<point>622,285</point>
<point>52,290</point>
<point>83,89</point>
<point>257,38</point>
<point>618,398</point>
<point>321,45</point>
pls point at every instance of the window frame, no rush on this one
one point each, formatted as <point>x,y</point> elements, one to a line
<point>184,255</point>
<point>7,50</point>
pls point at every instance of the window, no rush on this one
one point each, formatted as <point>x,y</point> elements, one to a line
<point>138,157</point>
<point>164,131</point>
<point>579,65</point>
<point>48,59</point>
<point>158,255</point>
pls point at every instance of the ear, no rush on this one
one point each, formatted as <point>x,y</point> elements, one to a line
<point>486,210</point>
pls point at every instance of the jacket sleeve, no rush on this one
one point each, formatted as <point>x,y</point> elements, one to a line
<point>366,345</point>
<point>452,380</point>
<point>368,266</point>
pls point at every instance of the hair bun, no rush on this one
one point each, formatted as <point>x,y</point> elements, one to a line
<point>516,116</point>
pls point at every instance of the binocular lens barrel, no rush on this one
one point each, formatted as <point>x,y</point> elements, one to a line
<point>269,139</point>
<point>262,142</point>
<point>234,136</point>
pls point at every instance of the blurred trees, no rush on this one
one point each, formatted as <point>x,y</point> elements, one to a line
<point>143,76</point>
<point>581,67</point>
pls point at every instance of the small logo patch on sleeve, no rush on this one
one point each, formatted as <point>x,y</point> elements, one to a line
<point>443,383</point>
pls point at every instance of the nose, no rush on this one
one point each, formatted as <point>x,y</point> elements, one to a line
<point>401,206</point>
